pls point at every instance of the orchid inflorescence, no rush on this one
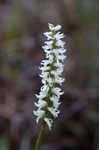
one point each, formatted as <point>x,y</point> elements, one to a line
<point>51,71</point>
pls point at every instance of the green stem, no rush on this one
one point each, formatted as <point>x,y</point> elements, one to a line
<point>40,136</point>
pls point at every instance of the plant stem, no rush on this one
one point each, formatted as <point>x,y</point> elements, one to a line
<point>40,136</point>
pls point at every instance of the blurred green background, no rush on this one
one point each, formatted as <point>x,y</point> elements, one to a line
<point>22,24</point>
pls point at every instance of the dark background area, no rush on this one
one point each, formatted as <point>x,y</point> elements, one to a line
<point>22,23</point>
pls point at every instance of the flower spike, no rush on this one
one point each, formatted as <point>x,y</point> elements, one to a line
<point>51,71</point>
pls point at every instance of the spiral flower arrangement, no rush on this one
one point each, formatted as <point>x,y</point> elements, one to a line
<point>51,74</point>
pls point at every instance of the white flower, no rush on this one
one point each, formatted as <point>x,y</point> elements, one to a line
<point>55,101</point>
<point>59,64</point>
<point>49,122</point>
<point>54,111</point>
<point>48,35</point>
<point>46,47</point>
<point>58,27</point>
<point>61,57</point>
<point>44,75</point>
<point>60,43</point>
<point>41,103</point>
<point>49,43</point>
<point>51,71</point>
<point>57,91</point>
<point>59,36</point>
<point>39,113</point>
<point>45,62</point>
<point>44,68</point>
<point>50,57</point>
<point>58,71</point>
<point>51,27</point>
<point>59,80</point>
<point>43,92</point>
